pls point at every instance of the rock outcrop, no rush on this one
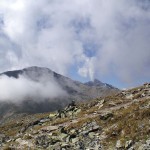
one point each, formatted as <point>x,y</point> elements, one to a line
<point>117,122</point>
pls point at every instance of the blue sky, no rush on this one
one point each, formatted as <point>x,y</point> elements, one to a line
<point>107,40</point>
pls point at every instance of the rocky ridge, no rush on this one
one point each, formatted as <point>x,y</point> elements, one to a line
<point>73,90</point>
<point>117,122</point>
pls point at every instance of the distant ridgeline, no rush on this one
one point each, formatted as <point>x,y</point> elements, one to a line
<point>74,90</point>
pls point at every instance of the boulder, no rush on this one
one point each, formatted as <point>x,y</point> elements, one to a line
<point>128,144</point>
<point>49,128</point>
<point>44,120</point>
<point>148,142</point>
<point>52,115</point>
<point>24,142</point>
<point>105,116</point>
<point>3,138</point>
<point>63,136</point>
<point>101,102</point>
<point>129,96</point>
<point>75,140</point>
<point>64,146</point>
<point>119,145</point>
<point>43,141</point>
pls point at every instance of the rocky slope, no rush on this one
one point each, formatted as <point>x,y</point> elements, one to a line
<point>73,90</point>
<point>117,122</point>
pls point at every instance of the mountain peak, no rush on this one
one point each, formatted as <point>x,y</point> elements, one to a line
<point>36,68</point>
<point>98,83</point>
<point>31,71</point>
<point>43,100</point>
<point>95,82</point>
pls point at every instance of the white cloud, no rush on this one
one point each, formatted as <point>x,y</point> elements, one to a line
<point>53,33</point>
<point>87,70</point>
<point>23,88</point>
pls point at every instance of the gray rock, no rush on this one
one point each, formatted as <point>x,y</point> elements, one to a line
<point>128,144</point>
<point>143,95</point>
<point>102,102</point>
<point>44,120</point>
<point>148,142</point>
<point>49,128</point>
<point>52,115</point>
<point>75,140</point>
<point>44,141</point>
<point>119,145</point>
<point>144,147</point>
<point>63,136</point>
<point>65,146</point>
<point>3,138</point>
<point>105,116</point>
<point>91,135</point>
<point>131,148</point>
<point>129,96</point>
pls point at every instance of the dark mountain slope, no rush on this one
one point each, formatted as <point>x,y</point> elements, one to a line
<point>98,83</point>
<point>74,91</point>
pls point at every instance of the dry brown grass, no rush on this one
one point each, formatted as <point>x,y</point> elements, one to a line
<point>80,123</point>
<point>131,123</point>
<point>60,121</point>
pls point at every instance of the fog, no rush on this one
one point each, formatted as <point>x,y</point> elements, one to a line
<point>23,88</point>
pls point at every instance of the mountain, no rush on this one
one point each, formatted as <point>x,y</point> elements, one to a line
<point>115,122</point>
<point>97,83</point>
<point>73,90</point>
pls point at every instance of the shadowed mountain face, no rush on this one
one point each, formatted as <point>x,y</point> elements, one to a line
<point>73,90</point>
<point>97,83</point>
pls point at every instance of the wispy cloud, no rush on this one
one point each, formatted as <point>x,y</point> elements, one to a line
<point>100,37</point>
<point>23,88</point>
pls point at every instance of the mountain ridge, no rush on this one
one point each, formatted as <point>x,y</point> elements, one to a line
<point>116,122</point>
<point>74,90</point>
<point>16,73</point>
<point>97,82</point>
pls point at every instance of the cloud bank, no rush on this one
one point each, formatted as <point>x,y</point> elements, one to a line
<point>98,38</point>
<point>23,88</point>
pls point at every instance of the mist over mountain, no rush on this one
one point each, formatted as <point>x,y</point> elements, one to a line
<point>60,64</point>
<point>37,89</point>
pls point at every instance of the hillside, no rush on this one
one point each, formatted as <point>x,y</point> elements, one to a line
<point>116,122</point>
<point>45,91</point>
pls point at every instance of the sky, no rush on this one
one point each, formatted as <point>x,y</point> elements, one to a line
<point>82,39</point>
